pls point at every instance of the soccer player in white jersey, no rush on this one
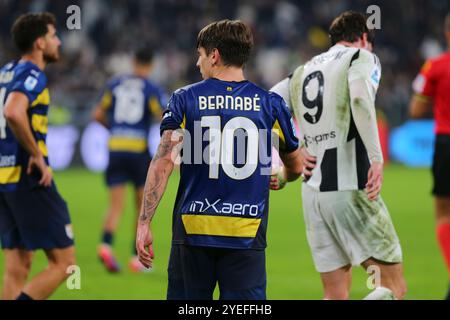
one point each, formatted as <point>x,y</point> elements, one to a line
<point>347,222</point>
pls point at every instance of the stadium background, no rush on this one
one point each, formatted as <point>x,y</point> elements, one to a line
<point>287,33</point>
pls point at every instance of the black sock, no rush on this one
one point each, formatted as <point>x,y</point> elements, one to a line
<point>107,238</point>
<point>24,296</point>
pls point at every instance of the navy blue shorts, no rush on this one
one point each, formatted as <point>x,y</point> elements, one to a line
<point>34,219</point>
<point>124,167</point>
<point>194,271</point>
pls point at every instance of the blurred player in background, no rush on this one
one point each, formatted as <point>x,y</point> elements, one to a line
<point>129,104</point>
<point>32,213</point>
<point>221,210</point>
<point>432,88</point>
<point>333,97</point>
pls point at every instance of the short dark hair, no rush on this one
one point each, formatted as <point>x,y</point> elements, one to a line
<point>144,55</point>
<point>232,38</point>
<point>350,26</point>
<point>29,27</point>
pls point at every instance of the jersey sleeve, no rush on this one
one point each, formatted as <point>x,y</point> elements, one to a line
<point>282,89</point>
<point>424,84</point>
<point>283,125</point>
<point>365,66</point>
<point>31,83</point>
<point>156,101</point>
<point>174,116</point>
<point>364,78</point>
<point>106,97</point>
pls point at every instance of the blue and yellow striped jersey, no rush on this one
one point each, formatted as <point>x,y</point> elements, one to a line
<point>223,194</point>
<point>27,78</point>
<point>132,103</point>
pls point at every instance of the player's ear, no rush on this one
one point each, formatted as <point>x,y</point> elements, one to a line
<point>40,43</point>
<point>364,41</point>
<point>215,56</point>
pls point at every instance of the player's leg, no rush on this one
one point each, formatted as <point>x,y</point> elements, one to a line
<point>17,267</point>
<point>392,283</point>
<point>43,222</point>
<point>117,195</point>
<point>442,207</point>
<point>46,282</point>
<point>241,274</point>
<point>367,235</point>
<point>17,261</point>
<point>191,273</point>
<point>330,259</point>
<point>441,192</point>
<point>337,283</point>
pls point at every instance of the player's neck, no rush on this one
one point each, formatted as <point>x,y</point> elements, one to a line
<point>229,74</point>
<point>348,44</point>
<point>36,58</point>
<point>142,72</point>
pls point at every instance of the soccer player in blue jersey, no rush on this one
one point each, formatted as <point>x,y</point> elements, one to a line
<point>221,210</point>
<point>32,213</point>
<point>129,104</point>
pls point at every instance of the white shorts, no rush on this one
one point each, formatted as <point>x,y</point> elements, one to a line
<point>344,227</point>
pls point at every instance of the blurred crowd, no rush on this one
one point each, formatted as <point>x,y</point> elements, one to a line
<point>287,33</point>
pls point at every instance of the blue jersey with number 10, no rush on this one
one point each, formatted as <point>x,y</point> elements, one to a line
<point>223,195</point>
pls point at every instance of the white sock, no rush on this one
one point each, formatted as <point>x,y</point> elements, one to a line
<point>380,293</point>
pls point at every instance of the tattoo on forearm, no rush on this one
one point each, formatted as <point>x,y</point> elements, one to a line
<point>156,179</point>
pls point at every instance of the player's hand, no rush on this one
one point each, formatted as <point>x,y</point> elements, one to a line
<point>374,180</point>
<point>38,162</point>
<point>309,163</point>
<point>278,179</point>
<point>144,244</point>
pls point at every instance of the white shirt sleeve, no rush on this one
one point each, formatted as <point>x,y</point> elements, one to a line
<point>363,79</point>
<point>282,89</point>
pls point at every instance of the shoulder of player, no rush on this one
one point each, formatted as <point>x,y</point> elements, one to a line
<point>114,81</point>
<point>153,87</point>
<point>190,89</point>
<point>275,100</point>
<point>8,66</point>
<point>437,62</point>
<point>33,77</point>
<point>365,56</point>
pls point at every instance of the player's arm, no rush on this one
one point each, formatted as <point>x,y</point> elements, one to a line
<point>364,76</point>
<point>100,112</point>
<point>419,106</point>
<point>288,145</point>
<point>292,165</point>
<point>16,114</point>
<point>158,174</point>
<point>424,87</point>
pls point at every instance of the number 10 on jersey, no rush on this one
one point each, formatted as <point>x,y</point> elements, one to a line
<point>221,146</point>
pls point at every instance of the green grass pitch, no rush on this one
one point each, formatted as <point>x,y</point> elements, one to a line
<point>290,270</point>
